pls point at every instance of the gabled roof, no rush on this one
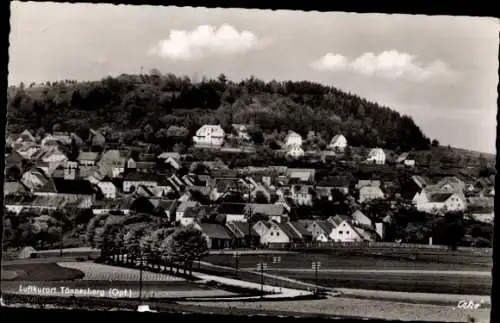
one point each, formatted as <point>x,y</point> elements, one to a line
<point>215,231</point>
<point>166,155</point>
<point>336,138</point>
<point>185,205</point>
<point>267,209</point>
<point>364,182</point>
<point>360,217</point>
<point>114,156</point>
<point>421,181</point>
<point>326,226</point>
<point>300,228</point>
<point>402,157</point>
<point>232,208</point>
<point>339,218</point>
<point>242,227</point>
<point>67,186</point>
<point>289,231</point>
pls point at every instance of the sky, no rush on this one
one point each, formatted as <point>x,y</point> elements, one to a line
<point>440,70</point>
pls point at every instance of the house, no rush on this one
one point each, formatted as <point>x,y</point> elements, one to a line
<point>305,235</point>
<point>293,139</point>
<point>96,138</point>
<point>217,235</point>
<point>108,188</point>
<point>164,156</point>
<point>368,193</point>
<point>87,158</point>
<point>173,162</point>
<point>450,184</point>
<point>130,164</point>
<point>372,183</point>
<point>34,178</point>
<point>134,179</point>
<point>302,194</point>
<point>70,170</point>
<point>345,231</point>
<point>145,166</point>
<point>338,142</point>
<point>37,204</point>
<point>359,218</point>
<point>302,174</point>
<point>376,156</point>
<point>115,159</point>
<point>426,201</point>
<point>182,207</point>
<point>166,208</point>
<point>320,228</point>
<point>241,131</point>
<point>413,186</point>
<point>26,137</point>
<point>234,211</point>
<point>339,183</point>
<point>275,212</point>
<point>261,227</point>
<point>14,160</point>
<point>295,151</point>
<point>209,135</point>
<point>277,233</point>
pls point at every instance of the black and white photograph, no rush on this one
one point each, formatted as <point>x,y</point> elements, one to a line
<point>247,161</point>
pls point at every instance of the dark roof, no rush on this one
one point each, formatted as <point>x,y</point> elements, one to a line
<point>145,164</point>
<point>232,208</point>
<point>439,197</point>
<point>77,186</point>
<point>300,228</point>
<point>325,226</point>
<point>215,231</point>
<point>138,176</point>
<point>291,233</point>
<point>243,227</point>
<point>334,181</point>
<point>339,218</point>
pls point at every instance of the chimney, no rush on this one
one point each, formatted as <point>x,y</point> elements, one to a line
<point>380,229</point>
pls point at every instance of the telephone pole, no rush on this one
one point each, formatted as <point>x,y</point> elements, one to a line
<point>261,266</point>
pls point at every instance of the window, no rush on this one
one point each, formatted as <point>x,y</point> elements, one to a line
<point>341,232</point>
<point>277,233</point>
<point>272,233</point>
<point>347,232</point>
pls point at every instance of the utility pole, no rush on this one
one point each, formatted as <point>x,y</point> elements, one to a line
<point>61,235</point>
<point>249,218</point>
<point>316,265</point>
<point>140,277</point>
<point>261,266</point>
<point>236,256</point>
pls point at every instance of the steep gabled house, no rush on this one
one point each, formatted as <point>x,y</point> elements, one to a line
<point>87,158</point>
<point>276,233</point>
<point>305,235</point>
<point>116,160</point>
<point>439,201</point>
<point>338,142</point>
<point>345,231</point>
<point>413,186</point>
<point>293,139</point>
<point>241,232</point>
<point>182,207</point>
<point>302,194</point>
<point>34,179</point>
<point>320,229</point>
<point>376,156</point>
<point>209,136</point>
<point>108,188</point>
<point>165,208</point>
<point>26,137</point>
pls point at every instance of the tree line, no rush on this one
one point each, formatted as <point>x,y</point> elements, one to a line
<point>146,105</point>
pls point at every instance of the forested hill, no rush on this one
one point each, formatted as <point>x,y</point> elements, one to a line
<point>149,102</point>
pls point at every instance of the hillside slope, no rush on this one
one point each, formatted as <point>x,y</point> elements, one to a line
<point>154,101</point>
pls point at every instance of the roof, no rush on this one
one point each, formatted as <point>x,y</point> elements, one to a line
<point>376,151</point>
<point>363,233</point>
<point>402,157</point>
<point>232,208</point>
<point>87,155</point>
<point>242,227</point>
<point>336,138</point>
<point>360,217</point>
<point>339,218</point>
<point>139,177</point>
<point>420,181</point>
<point>288,230</point>
<point>364,182</point>
<point>268,209</point>
<point>114,156</point>
<point>215,231</point>
<point>439,197</point>
<point>370,190</point>
<point>300,228</point>
<point>325,226</point>
<point>185,205</point>
<point>166,155</point>
<point>304,174</point>
<point>334,181</point>
<point>144,165</point>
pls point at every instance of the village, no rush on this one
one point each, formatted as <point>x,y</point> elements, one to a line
<point>231,206</point>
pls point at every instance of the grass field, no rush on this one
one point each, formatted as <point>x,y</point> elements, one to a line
<point>40,272</point>
<point>95,271</point>
<point>347,260</point>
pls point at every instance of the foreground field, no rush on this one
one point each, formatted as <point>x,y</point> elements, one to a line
<point>39,272</point>
<point>93,271</point>
<point>358,308</point>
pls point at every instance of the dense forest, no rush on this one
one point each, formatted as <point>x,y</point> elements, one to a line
<point>146,105</point>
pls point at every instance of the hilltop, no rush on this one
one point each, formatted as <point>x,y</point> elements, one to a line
<point>144,104</point>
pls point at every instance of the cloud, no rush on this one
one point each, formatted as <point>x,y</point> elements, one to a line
<point>206,40</point>
<point>388,64</point>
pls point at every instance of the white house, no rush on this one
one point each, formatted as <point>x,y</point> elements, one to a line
<point>376,156</point>
<point>359,217</point>
<point>338,142</point>
<point>275,234</point>
<point>70,170</point>
<point>295,151</point>
<point>209,135</point>
<point>434,202</point>
<point>293,139</point>
<point>108,189</point>
<point>346,231</point>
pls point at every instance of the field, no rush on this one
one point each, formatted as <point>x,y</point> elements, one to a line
<point>364,272</point>
<point>39,272</point>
